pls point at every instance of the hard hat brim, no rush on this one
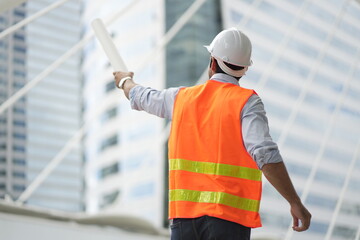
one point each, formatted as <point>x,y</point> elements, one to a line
<point>208,48</point>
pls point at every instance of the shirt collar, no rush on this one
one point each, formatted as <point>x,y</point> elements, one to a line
<point>224,78</point>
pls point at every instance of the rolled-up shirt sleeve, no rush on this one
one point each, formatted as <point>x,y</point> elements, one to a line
<point>256,136</point>
<point>159,103</point>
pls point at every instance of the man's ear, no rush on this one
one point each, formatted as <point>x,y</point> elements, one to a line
<point>213,64</point>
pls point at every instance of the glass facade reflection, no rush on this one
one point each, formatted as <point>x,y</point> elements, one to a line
<point>186,59</point>
<point>313,81</point>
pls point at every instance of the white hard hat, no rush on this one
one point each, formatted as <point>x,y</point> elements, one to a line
<point>234,47</point>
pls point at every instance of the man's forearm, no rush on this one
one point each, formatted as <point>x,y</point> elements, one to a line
<point>278,176</point>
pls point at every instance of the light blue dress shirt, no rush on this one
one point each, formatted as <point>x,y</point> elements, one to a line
<point>255,129</point>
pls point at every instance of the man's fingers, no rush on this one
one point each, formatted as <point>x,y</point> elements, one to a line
<point>301,217</point>
<point>295,222</point>
<point>299,229</point>
<point>304,225</point>
<point>123,74</point>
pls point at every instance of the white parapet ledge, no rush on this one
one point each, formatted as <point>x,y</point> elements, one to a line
<point>21,214</point>
<point>124,222</point>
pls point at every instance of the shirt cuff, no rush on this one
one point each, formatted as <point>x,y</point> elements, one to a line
<point>268,157</point>
<point>134,97</point>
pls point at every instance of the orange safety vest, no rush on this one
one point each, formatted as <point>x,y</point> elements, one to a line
<point>210,171</point>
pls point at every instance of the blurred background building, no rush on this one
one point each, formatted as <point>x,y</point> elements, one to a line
<point>37,126</point>
<point>186,58</point>
<point>306,70</point>
<point>122,149</point>
<point>53,107</point>
<point>13,122</point>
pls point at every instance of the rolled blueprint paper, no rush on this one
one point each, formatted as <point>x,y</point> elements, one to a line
<point>108,45</point>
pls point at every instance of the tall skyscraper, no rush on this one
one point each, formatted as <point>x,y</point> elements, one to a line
<point>13,121</point>
<point>53,107</point>
<point>186,59</point>
<point>124,155</point>
<point>306,70</point>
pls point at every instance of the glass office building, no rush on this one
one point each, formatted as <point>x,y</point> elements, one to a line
<point>306,70</point>
<point>186,58</point>
<point>53,107</point>
<point>122,148</point>
<point>13,121</point>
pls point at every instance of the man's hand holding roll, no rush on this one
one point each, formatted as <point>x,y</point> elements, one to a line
<point>124,80</point>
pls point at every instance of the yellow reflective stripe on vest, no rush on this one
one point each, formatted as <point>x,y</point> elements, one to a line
<point>215,168</point>
<point>214,197</point>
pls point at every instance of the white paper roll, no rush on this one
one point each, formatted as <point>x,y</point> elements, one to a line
<point>108,45</point>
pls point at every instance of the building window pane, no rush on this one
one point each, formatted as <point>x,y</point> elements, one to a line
<point>350,208</point>
<point>19,148</point>
<point>19,136</point>
<point>109,114</point>
<point>19,123</point>
<point>303,48</point>
<point>345,232</point>
<point>109,198</point>
<point>298,169</point>
<point>265,30</point>
<point>283,87</point>
<point>19,174</point>
<point>18,187</point>
<point>19,13</point>
<point>329,178</point>
<point>19,161</point>
<point>321,13</point>
<point>111,141</point>
<point>323,202</point>
<point>110,86</point>
<point>109,170</point>
<point>275,12</point>
<point>343,46</point>
<point>296,68</point>
<point>236,16</point>
<point>350,29</point>
<point>143,190</point>
<point>318,227</point>
<point>20,49</point>
<point>312,30</point>
<point>334,63</point>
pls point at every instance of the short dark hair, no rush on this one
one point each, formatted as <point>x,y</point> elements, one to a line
<point>233,67</point>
